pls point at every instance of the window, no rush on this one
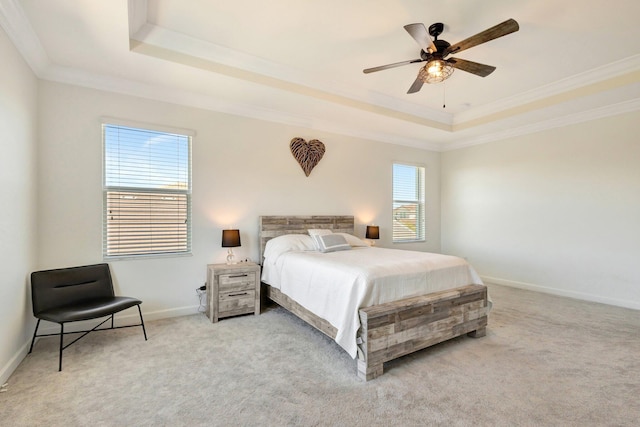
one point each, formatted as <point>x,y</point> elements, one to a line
<point>147,192</point>
<point>408,203</point>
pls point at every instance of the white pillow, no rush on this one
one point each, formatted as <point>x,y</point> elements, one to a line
<point>317,232</point>
<point>287,243</point>
<point>353,240</point>
<point>332,242</point>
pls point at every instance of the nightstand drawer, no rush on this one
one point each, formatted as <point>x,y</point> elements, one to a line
<point>237,302</point>
<point>237,282</point>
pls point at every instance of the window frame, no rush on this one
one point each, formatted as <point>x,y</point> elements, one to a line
<point>419,202</point>
<point>148,192</point>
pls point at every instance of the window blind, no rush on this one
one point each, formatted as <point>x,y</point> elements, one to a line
<point>147,192</point>
<point>408,203</point>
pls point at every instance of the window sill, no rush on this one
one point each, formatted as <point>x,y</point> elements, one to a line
<point>149,256</point>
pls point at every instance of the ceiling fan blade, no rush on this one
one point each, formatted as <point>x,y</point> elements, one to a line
<point>385,67</point>
<point>416,86</point>
<point>507,27</point>
<point>421,35</point>
<point>481,70</point>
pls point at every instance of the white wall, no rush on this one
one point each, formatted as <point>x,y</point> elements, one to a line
<point>242,168</point>
<point>18,112</point>
<point>557,211</point>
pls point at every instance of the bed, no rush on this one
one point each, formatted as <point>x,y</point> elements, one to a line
<point>375,310</point>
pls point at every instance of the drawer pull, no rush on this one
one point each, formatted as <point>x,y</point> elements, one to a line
<point>238,275</point>
<point>237,295</point>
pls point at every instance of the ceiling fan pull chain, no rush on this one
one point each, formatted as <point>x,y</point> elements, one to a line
<point>444,95</point>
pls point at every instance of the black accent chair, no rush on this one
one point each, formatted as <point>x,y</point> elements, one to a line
<point>78,293</point>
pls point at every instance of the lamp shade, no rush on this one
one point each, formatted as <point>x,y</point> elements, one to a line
<point>230,238</point>
<point>373,232</point>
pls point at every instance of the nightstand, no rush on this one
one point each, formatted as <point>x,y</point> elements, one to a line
<point>232,289</point>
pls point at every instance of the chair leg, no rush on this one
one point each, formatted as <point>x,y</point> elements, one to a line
<point>61,347</point>
<point>34,336</point>
<point>144,331</point>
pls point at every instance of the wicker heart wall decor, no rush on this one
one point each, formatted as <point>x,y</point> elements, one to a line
<point>308,154</point>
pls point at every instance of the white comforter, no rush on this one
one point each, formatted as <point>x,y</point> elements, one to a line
<point>335,285</point>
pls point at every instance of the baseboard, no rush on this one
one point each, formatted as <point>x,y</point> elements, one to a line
<point>13,363</point>
<point>562,292</point>
<point>120,320</point>
<point>165,314</point>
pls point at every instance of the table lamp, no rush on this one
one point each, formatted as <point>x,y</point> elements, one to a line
<point>373,232</point>
<point>230,239</point>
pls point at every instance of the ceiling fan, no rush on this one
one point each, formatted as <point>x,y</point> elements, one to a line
<point>435,52</point>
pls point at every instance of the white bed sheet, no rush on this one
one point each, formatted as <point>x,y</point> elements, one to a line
<point>335,285</point>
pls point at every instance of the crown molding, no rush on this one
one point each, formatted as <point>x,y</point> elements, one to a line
<point>587,78</point>
<point>175,96</point>
<point>570,119</point>
<point>110,84</point>
<point>15,23</point>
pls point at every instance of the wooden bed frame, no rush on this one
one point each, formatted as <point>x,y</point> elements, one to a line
<point>393,329</point>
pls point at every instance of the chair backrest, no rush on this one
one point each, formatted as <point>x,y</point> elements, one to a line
<point>59,287</point>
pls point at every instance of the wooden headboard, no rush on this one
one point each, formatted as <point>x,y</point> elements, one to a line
<point>274,226</point>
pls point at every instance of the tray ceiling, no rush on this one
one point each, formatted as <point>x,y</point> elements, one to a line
<point>301,63</point>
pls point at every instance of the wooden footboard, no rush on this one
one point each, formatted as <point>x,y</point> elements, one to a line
<point>392,330</point>
<point>395,329</point>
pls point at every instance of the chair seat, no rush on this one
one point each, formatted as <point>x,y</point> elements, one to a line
<point>90,309</point>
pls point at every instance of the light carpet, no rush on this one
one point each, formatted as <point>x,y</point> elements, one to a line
<point>546,361</point>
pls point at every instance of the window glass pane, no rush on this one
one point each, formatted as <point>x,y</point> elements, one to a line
<point>408,203</point>
<point>145,159</point>
<point>405,183</point>
<point>147,192</point>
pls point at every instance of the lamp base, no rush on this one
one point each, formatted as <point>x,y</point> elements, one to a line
<point>230,257</point>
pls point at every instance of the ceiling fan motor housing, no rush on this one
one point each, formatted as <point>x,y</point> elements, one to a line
<point>441,45</point>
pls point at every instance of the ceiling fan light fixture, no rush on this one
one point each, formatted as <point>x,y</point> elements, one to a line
<point>435,71</point>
